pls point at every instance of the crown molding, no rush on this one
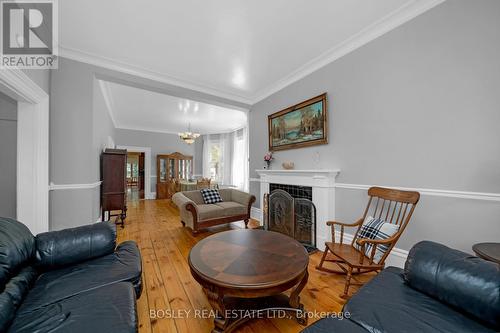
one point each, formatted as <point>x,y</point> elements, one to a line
<point>113,64</point>
<point>155,130</point>
<point>391,21</point>
<point>403,14</point>
<point>20,84</point>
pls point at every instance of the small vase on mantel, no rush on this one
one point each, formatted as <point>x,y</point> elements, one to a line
<point>267,160</point>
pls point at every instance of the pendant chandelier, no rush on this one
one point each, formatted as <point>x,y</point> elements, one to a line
<point>189,137</point>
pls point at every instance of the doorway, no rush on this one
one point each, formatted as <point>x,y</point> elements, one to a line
<point>32,165</point>
<point>135,176</point>
<point>145,170</point>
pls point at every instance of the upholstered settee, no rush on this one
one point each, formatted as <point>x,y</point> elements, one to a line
<point>439,290</point>
<point>197,215</point>
<point>73,280</point>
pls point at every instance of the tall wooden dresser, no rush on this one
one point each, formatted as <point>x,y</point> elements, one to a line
<point>114,185</point>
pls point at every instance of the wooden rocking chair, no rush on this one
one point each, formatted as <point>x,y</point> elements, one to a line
<point>393,206</point>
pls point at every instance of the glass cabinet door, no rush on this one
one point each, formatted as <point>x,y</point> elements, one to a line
<point>163,170</point>
<point>189,171</point>
<point>182,171</point>
<point>171,168</point>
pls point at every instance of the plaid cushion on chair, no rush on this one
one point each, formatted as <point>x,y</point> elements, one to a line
<point>210,196</point>
<point>373,228</point>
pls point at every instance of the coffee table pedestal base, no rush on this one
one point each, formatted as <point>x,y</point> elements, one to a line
<point>236,311</point>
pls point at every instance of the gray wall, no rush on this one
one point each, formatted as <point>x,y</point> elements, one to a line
<point>80,127</point>
<point>73,157</point>
<point>160,143</point>
<point>40,76</point>
<point>417,107</point>
<point>8,156</point>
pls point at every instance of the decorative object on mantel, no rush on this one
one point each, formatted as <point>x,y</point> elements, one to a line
<point>189,137</point>
<point>301,125</point>
<point>267,159</point>
<point>287,165</point>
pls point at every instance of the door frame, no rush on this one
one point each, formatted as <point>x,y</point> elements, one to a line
<point>32,176</point>
<point>147,167</point>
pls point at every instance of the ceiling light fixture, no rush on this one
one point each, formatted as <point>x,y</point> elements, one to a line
<point>189,137</point>
<point>239,77</point>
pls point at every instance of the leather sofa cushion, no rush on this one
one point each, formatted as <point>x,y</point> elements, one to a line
<point>109,309</point>
<point>232,208</point>
<point>13,295</point>
<point>388,304</point>
<point>56,285</point>
<point>17,248</point>
<point>58,248</point>
<point>331,325</point>
<point>456,278</point>
<point>206,212</point>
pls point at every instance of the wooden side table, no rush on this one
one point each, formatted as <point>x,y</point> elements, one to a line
<point>488,251</point>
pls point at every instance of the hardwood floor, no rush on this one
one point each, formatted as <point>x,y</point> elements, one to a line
<point>169,288</point>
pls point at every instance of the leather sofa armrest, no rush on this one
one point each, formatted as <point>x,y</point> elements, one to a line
<point>74,245</point>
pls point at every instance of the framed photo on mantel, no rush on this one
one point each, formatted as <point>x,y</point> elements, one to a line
<point>301,125</point>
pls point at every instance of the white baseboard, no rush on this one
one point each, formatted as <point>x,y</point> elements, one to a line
<point>151,196</point>
<point>396,258</point>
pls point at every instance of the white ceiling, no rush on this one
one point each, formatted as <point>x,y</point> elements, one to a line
<point>134,108</point>
<point>238,49</point>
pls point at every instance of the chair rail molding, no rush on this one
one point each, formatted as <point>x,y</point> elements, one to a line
<point>430,192</point>
<point>32,148</point>
<point>53,187</point>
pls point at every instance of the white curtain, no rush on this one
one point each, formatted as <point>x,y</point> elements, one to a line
<point>240,159</point>
<point>226,147</point>
<point>206,156</point>
<point>225,158</point>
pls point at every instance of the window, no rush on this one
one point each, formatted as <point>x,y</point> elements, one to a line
<point>225,158</point>
<point>239,161</point>
<point>215,163</point>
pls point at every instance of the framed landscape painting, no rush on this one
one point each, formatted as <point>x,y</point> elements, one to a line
<point>304,124</point>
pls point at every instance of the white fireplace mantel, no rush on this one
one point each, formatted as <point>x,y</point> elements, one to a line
<point>321,181</point>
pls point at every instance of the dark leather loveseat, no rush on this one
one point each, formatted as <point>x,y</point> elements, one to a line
<point>440,290</point>
<point>73,280</point>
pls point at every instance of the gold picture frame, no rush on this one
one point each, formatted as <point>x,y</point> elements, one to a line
<point>302,125</point>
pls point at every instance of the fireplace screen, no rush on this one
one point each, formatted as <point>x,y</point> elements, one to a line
<point>295,217</point>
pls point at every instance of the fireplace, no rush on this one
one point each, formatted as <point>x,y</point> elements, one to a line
<point>289,209</point>
<point>323,194</point>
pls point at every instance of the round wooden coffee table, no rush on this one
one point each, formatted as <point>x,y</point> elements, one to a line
<point>245,272</point>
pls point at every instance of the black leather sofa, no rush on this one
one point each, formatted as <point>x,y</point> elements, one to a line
<point>73,280</point>
<point>440,290</point>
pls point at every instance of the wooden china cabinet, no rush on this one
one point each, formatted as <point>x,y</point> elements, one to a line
<point>170,168</point>
<point>114,185</point>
